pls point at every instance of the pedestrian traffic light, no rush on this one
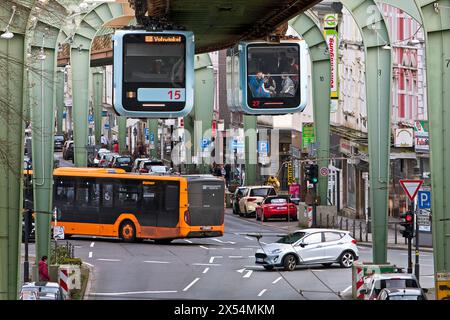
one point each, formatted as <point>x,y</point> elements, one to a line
<point>408,223</point>
<point>311,173</point>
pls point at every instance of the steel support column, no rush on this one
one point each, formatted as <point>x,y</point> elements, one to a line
<point>59,91</point>
<point>321,73</point>
<point>378,93</point>
<point>11,163</point>
<point>203,107</point>
<point>436,20</point>
<point>80,61</point>
<point>42,119</point>
<point>251,156</point>
<point>97,79</point>
<point>122,133</point>
<point>152,125</point>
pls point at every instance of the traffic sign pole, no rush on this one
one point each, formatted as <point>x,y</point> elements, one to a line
<point>417,265</point>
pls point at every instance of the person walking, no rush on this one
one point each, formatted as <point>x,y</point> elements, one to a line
<point>43,269</point>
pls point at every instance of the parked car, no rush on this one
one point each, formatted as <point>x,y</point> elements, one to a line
<point>68,150</point>
<point>403,294</point>
<point>99,155</point>
<point>122,162</point>
<point>156,167</point>
<point>107,159</point>
<point>253,197</point>
<point>238,194</point>
<point>43,291</point>
<point>307,247</point>
<point>59,142</point>
<point>137,163</point>
<point>375,283</point>
<point>276,207</point>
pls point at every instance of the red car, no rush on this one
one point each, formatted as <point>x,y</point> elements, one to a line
<point>276,207</point>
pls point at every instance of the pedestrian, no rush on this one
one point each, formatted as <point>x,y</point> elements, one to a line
<point>43,269</point>
<point>116,147</point>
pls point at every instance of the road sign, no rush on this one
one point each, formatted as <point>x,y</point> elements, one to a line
<point>424,220</point>
<point>411,187</point>
<point>205,143</point>
<point>331,20</point>
<point>263,147</point>
<point>58,232</point>
<point>424,200</point>
<point>324,171</point>
<point>443,285</point>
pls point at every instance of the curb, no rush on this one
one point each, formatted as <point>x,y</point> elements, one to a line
<point>87,292</point>
<point>396,247</point>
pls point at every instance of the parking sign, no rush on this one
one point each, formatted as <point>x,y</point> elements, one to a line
<point>424,200</point>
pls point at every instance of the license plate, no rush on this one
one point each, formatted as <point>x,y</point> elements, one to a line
<point>206,228</point>
<point>259,260</point>
<point>282,208</point>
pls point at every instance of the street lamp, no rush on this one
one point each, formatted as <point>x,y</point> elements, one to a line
<point>8,34</point>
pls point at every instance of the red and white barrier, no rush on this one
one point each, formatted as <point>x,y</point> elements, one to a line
<point>63,281</point>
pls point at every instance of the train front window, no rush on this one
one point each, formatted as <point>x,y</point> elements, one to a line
<point>162,64</point>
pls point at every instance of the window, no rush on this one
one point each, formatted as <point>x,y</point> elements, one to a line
<point>128,193</point>
<point>261,192</point>
<point>107,196</point>
<point>332,236</point>
<point>291,238</point>
<point>65,191</point>
<point>88,193</point>
<point>171,201</point>
<point>276,201</point>
<point>313,238</point>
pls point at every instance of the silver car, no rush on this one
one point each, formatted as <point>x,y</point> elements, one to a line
<point>309,246</point>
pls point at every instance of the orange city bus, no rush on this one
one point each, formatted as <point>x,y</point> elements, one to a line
<point>113,203</point>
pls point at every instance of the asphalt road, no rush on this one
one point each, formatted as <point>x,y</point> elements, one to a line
<point>215,268</point>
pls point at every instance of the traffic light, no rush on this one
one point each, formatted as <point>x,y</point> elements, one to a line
<point>311,173</point>
<point>408,223</point>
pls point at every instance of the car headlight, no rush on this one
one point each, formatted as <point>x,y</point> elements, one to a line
<point>276,251</point>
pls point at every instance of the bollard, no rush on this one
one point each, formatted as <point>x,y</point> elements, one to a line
<point>354,229</point>
<point>367,232</point>
<point>395,233</point>
<point>360,231</point>
<point>320,220</point>
<point>328,222</point>
<point>340,224</point>
<point>346,225</point>
<point>332,222</point>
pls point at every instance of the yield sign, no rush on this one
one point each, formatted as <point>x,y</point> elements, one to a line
<point>411,187</point>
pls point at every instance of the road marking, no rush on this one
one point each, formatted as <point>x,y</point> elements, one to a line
<point>251,256</point>
<point>111,260</point>
<point>211,260</point>
<point>207,264</point>
<point>220,241</point>
<point>92,244</point>
<point>247,248</point>
<point>248,238</point>
<point>235,257</point>
<point>346,289</point>
<point>276,280</point>
<point>188,241</point>
<point>252,246</point>
<point>248,274</point>
<point>90,254</point>
<point>318,270</point>
<point>128,293</point>
<point>206,270</point>
<point>78,247</point>
<point>156,262</point>
<point>262,292</point>
<point>203,247</point>
<point>241,270</point>
<point>191,284</point>
<point>263,242</point>
<point>90,265</point>
<point>227,248</point>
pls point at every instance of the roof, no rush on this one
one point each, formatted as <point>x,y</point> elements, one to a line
<point>40,284</point>
<point>393,276</point>
<point>404,291</point>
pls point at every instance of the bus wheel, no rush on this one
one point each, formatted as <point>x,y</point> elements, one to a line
<point>162,241</point>
<point>127,231</point>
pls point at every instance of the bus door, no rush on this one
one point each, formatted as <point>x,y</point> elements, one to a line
<point>87,202</point>
<point>64,199</point>
<point>107,213</point>
<point>150,203</point>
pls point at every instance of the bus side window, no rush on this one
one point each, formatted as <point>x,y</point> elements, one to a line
<point>65,191</point>
<point>107,199</point>
<point>88,193</point>
<point>171,197</point>
<point>128,193</point>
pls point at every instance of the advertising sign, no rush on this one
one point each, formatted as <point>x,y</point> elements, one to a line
<point>307,134</point>
<point>404,138</point>
<point>421,138</point>
<point>331,20</point>
<point>332,39</point>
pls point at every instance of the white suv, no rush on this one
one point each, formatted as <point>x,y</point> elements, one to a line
<point>252,198</point>
<point>375,283</point>
<point>309,246</point>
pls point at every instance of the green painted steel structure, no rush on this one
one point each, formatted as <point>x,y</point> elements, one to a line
<point>378,98</point>
<point>251,154</point>
<point>122,133</point>
<point>97,81</point>
<point>59,100</point>
<point>321,73</point>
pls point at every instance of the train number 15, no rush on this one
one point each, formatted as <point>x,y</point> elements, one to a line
<point>174,94</point>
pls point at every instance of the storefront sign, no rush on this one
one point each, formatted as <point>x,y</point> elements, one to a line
<point>345,147</point>
<point>421,137</point>
<point>404,138</point>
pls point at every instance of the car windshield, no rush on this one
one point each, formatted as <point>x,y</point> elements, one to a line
<point>276,201</point>
<point>59,138</point>
<point>123,160</point>
<point>261,192</point>
<point>291,238</point>
<point>395,283</point>
<point>159,169</point>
